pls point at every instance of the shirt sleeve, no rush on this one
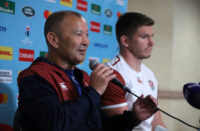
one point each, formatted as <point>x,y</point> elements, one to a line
<point>114,96</point>
<point>40,107</point>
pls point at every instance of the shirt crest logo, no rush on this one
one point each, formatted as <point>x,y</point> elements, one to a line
<point>64,87</point>
<point>151,84</point>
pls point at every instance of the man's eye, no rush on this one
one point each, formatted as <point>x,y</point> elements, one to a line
<point>78,34</point>
<point>143,36</point>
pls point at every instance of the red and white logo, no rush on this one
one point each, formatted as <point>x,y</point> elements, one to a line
<point>26,55</point>
<point>94,26</point>
<point>82,5</point>
<point>27,33</point>
<point>151,84</point>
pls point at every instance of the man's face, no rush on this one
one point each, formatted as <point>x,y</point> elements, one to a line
<point>141,42</point>
<point>73,40</point>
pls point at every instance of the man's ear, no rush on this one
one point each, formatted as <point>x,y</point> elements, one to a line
<point>52,39</point>
<point>124,41</point>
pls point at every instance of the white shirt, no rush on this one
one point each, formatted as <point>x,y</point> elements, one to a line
<point>143,82</point>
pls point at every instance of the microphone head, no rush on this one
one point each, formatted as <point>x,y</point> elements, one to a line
<point>191,92</point>
<point>93,63</point>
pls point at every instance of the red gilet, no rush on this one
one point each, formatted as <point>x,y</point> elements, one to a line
<point>57,78</point>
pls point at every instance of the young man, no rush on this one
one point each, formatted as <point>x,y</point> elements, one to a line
<point>54,95</point>
<point>134,34</point>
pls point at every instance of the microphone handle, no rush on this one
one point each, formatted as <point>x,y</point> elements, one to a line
<point>157,108</point>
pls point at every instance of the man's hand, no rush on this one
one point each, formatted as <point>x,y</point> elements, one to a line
<point>100,77</point>
<point>142,110</point>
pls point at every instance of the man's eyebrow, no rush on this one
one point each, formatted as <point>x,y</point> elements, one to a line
<point>147,34</point>
<point>77,31</point>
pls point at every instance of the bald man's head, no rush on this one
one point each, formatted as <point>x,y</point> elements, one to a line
<point>53,21</point>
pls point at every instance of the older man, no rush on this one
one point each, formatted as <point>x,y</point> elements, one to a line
<point>54,95</point>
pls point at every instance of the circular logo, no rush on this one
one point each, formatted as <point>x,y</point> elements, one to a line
<point>28,11</point>
<point>47,13</point>
<point>108,12</point>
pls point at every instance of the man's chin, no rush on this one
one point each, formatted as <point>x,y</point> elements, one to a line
<point>146,57</point>
<point>80,61</point>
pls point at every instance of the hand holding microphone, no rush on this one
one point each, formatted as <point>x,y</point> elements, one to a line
<point>100,76</point>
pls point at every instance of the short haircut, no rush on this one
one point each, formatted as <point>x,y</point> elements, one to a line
<point>53,21</point>
<point>129,23</point>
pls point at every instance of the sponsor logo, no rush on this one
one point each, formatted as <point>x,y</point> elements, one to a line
<point>43,54</point>
<point>52,1</point>
<point>47,13</point>
<point>108,12</point>
<point>28,11</point>
<point>27,41</point>
<point>3,98</point>
<point>105,60</point>
<point>119,14</point>
<point>27,32</point>
<point>2,29</point>
<point>95,9</point>
<point>6,53</point>
<point>66,2</point>
<point>5,76</point>
<point>7,6</point>
<point>64,87</point>
<point>107,29</point>
<point>120,2</point>
<point>94,26</point>
<point>82,5</point>
<point>26,55</point>
<point>100,45</point>
<point>139,80</point>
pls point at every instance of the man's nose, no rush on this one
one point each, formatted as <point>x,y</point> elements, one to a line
<point>86,40</point>
<point>151,42</point>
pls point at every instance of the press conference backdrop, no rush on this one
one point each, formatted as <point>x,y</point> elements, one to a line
<point>22,39</point>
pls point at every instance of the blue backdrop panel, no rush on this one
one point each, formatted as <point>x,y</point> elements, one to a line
<point>22,39</point>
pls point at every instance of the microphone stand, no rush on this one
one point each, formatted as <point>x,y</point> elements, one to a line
<point>157,108</point>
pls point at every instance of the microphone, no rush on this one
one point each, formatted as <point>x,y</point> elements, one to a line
<point>191,92</point>
<point>93,63</point>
